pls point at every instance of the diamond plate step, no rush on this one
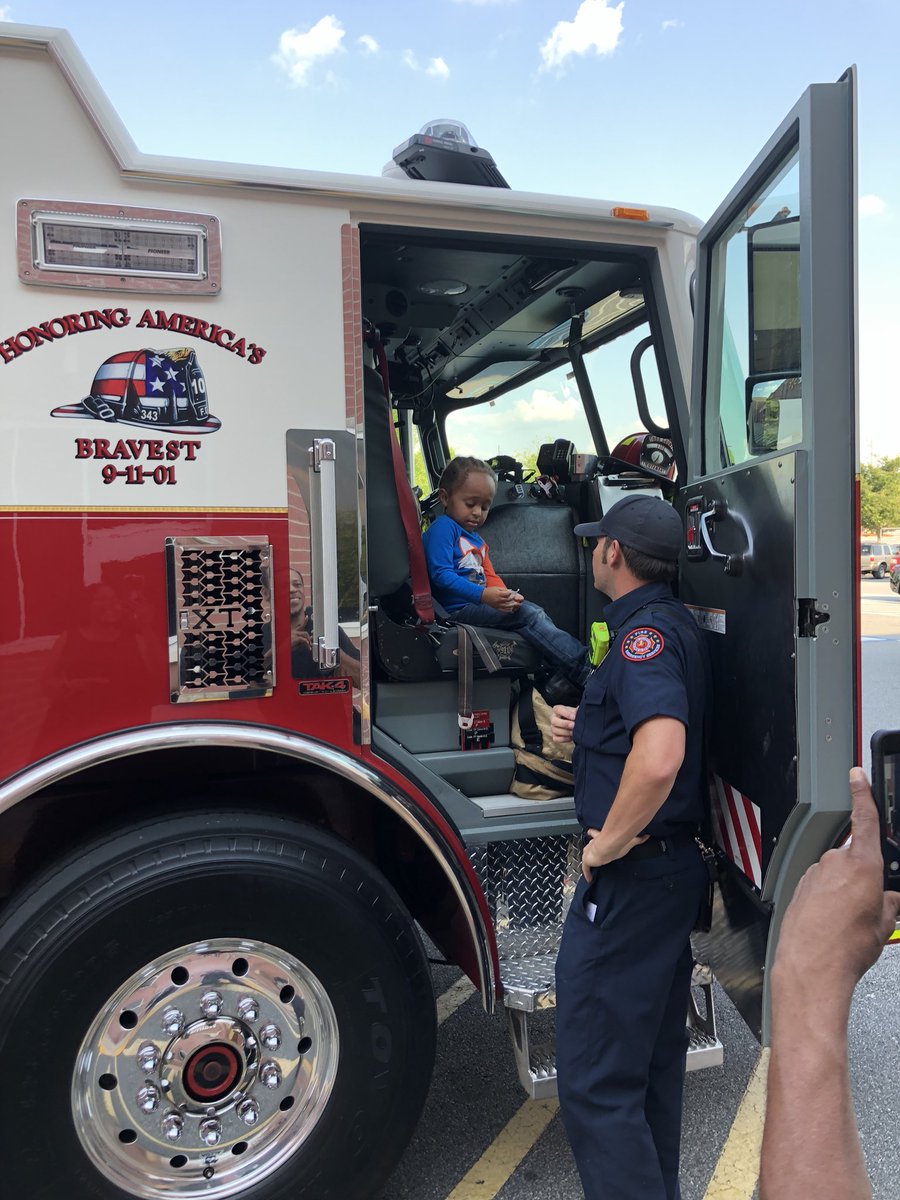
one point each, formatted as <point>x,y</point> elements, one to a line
<point>530,994</point>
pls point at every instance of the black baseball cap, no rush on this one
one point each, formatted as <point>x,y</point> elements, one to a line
<point>645,523</point>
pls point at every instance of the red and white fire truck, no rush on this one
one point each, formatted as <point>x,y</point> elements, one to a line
<point>246,769</point>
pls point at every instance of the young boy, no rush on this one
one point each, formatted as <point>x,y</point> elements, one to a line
<point>468,587</point>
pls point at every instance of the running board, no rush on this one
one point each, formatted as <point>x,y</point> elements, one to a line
<point>529,988</point>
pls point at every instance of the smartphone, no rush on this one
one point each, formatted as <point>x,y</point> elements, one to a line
<point>885,780</point>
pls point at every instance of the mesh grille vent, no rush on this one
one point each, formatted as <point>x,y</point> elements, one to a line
<point>220,618</point>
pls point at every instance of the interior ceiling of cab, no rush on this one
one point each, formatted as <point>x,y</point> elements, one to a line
<point>450,312</point>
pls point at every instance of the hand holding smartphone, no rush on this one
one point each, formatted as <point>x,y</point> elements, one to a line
<point>885,781</point>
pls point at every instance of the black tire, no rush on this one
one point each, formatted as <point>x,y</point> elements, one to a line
<point>880,571</point>
<point>83,930</point>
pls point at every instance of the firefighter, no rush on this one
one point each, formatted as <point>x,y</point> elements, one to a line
<point>624,967</point>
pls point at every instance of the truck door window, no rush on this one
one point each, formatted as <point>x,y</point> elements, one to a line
<point>753,373</point>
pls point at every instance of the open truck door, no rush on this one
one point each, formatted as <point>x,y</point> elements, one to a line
<point>771,522</point>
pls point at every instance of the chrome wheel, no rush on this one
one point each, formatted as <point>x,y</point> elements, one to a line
<point>205,1071</point>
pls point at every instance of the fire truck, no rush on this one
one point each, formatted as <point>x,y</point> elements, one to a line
<point>249,773</point>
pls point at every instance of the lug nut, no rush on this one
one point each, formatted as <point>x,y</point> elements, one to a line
<point>210,1131</point>
<point>148,1098</point>
<point>211,1004</point>
<point>248,1008</point>
<point>270,1074</point>
<point>270,1036</point>
<point>173,1021</point>
<point>248,1112</point>
<point>148,1057</point>
<point>172,1125</point>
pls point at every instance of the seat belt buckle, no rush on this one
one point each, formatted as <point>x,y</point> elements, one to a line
<point>465,720</point>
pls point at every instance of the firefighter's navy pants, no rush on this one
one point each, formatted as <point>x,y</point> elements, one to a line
<point>623,982</point>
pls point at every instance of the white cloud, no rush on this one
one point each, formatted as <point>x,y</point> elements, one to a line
<point>435,67</point>
<point>596,27</point>
<point>438,69</point>
<point>368,43</point>
<point>545,405</point>
<point>5,12</point>
<point>871,206</point>
<point>298,52</point>
<point>674,23</point>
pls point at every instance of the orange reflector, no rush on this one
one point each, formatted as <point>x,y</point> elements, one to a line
<point>631,214</point>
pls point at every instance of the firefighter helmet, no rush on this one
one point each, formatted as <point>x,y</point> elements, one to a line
<point>153,389</point>
<point>648,451</point>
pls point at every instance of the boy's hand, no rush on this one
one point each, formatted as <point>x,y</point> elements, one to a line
<point>502,599</point>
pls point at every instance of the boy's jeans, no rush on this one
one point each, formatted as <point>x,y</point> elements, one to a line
<point>533,623</point>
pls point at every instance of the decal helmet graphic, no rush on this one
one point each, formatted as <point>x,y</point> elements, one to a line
<point>154,389</point>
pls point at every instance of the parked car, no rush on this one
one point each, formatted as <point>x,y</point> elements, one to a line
<point>877,558</point>
<point>895,578</point>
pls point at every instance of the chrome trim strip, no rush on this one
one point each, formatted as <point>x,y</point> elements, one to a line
<point>202,733</point>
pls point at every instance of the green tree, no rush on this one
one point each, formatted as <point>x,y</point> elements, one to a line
<point>879,495</point>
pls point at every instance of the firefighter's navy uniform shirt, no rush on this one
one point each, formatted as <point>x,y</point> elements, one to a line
<point>653,669</point>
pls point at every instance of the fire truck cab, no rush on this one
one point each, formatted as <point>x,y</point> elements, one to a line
<point>246,767</point>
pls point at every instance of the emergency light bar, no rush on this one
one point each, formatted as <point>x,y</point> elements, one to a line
<point>443,152</point>
<point>125,247</point>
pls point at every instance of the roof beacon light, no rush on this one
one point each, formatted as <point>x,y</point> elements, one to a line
<point>445,152</point>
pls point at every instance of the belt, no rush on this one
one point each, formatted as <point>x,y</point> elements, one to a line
<point>656,847</point>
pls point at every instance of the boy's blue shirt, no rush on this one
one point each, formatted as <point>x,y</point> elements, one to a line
<point>455,559</point>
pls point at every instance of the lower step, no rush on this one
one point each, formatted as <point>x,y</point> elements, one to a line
<point>530,991</point>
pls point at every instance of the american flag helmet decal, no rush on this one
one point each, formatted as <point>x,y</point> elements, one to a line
<point>153,389</point>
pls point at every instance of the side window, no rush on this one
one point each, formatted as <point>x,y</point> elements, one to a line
<point>550,407</point>
<point>753,371</point>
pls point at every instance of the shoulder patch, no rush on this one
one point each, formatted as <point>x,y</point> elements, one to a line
<point>641,644</point>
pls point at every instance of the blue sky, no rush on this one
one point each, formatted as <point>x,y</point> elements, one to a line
<point>654,101</point>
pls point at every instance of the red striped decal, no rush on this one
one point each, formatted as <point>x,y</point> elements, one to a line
<point>739,829</point>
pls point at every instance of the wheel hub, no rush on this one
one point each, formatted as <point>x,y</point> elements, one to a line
<point>205,1071</point>
<point>211,1072</point>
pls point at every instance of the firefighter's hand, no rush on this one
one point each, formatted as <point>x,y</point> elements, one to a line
<point>562,722</point>
<point>840,916</point>
<point>502,599</point>
<point>597,854</point>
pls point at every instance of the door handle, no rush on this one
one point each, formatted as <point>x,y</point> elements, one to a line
<point>323,527</point>
<point>717,511</point>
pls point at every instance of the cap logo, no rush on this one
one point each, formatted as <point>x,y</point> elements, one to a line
<point>641,644</point>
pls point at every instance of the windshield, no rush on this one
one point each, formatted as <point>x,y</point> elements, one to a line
<point>525,418</point>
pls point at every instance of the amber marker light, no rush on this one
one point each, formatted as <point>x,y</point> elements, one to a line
<point>631,214</point>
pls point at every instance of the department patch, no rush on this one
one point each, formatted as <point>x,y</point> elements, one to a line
<point>642,644</point>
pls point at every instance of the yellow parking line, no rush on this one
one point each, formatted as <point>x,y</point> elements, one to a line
<point>455,995</point>
<point>505,1152</point>
<point>737,1170</point>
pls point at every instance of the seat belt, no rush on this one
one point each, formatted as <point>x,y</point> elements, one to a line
<point>409,515</point>
<point>468,639</point>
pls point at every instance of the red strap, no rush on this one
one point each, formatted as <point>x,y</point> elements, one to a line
<point>409,514</point>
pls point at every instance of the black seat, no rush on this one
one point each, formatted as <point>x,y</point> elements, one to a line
<point>534,550</point>
<point>404,648</point>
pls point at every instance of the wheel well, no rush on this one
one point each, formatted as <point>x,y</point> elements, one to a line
<point>52,821</point>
